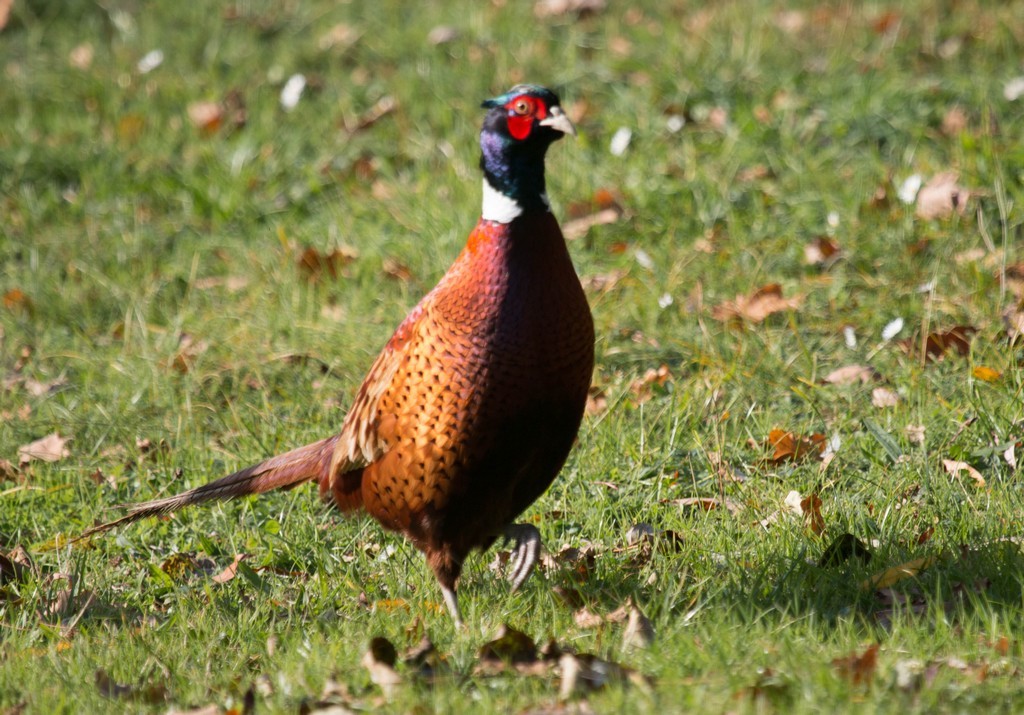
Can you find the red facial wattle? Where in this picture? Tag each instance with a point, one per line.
(522, 112)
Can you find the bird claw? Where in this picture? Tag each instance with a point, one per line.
(525, 553)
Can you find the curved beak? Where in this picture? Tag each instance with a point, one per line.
(558, 121)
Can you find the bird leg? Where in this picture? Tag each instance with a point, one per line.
(525, 553)
(452, 601)
(447, 567)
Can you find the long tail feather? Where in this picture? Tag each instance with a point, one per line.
(281, 472)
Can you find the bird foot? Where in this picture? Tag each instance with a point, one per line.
(525, 553)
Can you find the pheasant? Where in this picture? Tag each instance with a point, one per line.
(469, 412)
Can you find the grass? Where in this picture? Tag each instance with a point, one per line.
(160, 300)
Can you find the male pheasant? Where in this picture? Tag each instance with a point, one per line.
(469, 412)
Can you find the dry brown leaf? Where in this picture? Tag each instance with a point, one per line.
(937, 344)
(858, 669)
(849, 374)
(206, 116)
(393, 268)
(811, 508)
(639, 633)
(442, 35)
(232, 284)
(382, 108)
(340, 35)
(577, 228)
(50, 448)
(915, 433)
(510, 647)
(81, 56)
(188, 350)
(954, 468)
(884, 397)
(379, 660)
(793, 447)
(313, 264)
(895, 574)
(757, 306)
(955, 121)
(822, 251)
(603, 282)
(582, 673)
(941, 197)
(707, 504)
(581, 8)
(653, 380)
(597, 400)
(8, 472)
(230, 570)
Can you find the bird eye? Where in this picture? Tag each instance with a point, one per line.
(522, 107)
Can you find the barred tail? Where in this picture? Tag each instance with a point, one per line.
(281, 472)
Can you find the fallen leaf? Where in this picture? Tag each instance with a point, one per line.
(583, 673)
(393, 268)
(230, 571)
(849, 374)
(884, 397)
(653, 381)
(313, 264)
(597, 400)
(81, 56)
(50, 448)
(510, 647)
(955, 340)
(188, 350)
(379, 660)
(757, 306)
(858, 669)
(8, 472)
(442, 35)
(639, 633)
(603, 282)
(915, 433)
(890, 576)
(954, 122)
(941, 197)
(206, 116)
(551, 8)
(822, 251)
(707, 504)
(381, 108)
(340, 35)
(16, 301)
(811, 508)
(954, 468)
(986, 374)
(577, 228)
(793, 447)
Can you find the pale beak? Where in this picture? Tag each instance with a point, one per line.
(558, 121)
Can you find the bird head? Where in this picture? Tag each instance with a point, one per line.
(527, 114)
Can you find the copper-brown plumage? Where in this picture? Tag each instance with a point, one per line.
(469, 412)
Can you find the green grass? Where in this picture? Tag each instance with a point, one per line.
(121, 223)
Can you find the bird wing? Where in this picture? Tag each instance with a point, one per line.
(359, 442)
